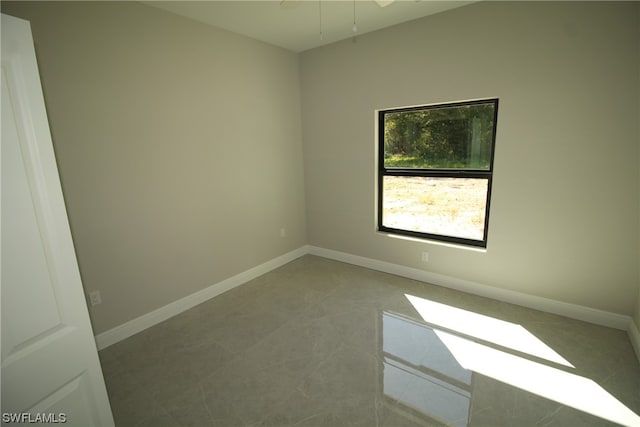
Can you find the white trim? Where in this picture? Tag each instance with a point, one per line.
(634, 336)
(161, 314)
(587, 314)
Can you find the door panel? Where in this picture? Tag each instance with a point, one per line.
(20, 225)
(49, 358)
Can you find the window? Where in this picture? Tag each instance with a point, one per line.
(435, 167)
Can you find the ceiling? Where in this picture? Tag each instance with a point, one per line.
(295, 24)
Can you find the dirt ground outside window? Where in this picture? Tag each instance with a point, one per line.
(445, 206)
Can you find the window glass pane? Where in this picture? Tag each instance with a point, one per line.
(449, 137)
(446, 206)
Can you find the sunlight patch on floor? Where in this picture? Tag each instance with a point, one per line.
(490, 329)
(543, 380)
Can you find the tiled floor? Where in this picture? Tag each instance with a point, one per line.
(322, 343)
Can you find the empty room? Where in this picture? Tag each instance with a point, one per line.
(321, 213)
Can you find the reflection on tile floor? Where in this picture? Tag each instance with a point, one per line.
(322, 343)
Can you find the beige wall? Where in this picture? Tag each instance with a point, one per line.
(179, 149)
(564, 211)
(179, 145)
(637, 313)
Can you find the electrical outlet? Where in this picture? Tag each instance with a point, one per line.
(95, 298)
(283, 232)
(425, 256)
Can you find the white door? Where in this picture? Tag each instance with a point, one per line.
(50, 367)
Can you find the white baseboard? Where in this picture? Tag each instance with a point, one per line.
(634, 336)
(573, 311)
(161, 314)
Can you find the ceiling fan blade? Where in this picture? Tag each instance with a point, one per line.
(384, 3)
(289, 4)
